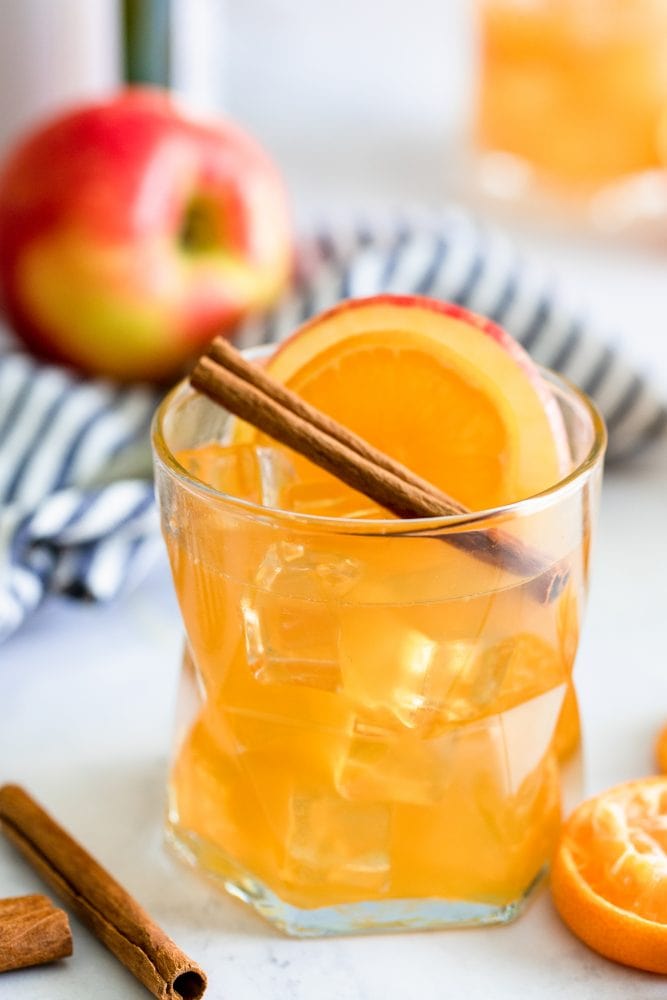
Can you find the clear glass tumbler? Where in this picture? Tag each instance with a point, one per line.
(572, 100)
(373, 723)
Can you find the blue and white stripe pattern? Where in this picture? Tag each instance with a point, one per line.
(76, 499)
(454, 258)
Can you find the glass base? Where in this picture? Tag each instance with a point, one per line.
(632, 208)
(347, 918)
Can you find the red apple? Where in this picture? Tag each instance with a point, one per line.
(130, 233)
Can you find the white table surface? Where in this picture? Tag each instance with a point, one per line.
(87, 693)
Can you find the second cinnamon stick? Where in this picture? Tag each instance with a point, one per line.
(32, 932)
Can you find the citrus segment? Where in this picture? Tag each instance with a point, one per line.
(609, 878)
(445, 392)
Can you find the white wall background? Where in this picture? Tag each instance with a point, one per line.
(354, 95)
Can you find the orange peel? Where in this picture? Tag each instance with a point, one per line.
(609, 876)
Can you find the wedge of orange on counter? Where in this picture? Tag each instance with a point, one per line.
(444, 391)
(609, 877)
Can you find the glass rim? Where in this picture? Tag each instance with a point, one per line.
(389, 526)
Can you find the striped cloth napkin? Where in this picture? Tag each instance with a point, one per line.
(76, 500)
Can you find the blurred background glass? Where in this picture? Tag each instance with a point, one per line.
(576, 88)
(572, 94)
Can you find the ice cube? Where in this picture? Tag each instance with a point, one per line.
(289, 766)
(300, 726)
(389, 665)
(290, 615)
(501, 674)
(528, 732)
(519, 667)
(521, 810)
(385, 766)
(327, 497)
(205, 795)
(276, 474)
(568, 621)
(484, 839)
(263, 475)
(336, 842)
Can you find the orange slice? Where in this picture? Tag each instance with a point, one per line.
(446, 392)
(609, 878)
(661, 750)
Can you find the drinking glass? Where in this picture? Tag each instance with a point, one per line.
(373, 724)
(572, 98)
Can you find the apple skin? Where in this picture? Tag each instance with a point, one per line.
(130, 234)
(424, 302)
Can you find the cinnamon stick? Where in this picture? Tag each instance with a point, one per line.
(247, 392)
(222, 351)
(32, 932)
(98, 900)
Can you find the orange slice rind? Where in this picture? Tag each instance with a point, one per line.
(442, 390)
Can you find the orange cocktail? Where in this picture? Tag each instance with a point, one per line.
(575, 88)
(373, 720)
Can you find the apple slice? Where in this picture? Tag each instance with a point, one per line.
(446, 392)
